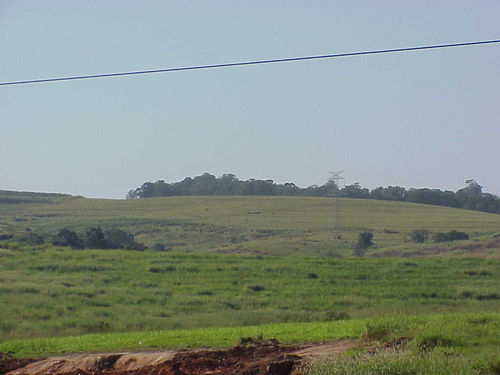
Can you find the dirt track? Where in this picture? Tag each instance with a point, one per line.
(268, 357)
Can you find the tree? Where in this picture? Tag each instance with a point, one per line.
(391, 193)
(364, 242)
(66, 237)
(118, 239)
(94, 239)
(453, 235)
(33, 238)
(419, 235)
(473, 188)
(355, 191)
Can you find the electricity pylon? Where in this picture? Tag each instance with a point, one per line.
(336, 221)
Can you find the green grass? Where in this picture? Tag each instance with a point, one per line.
(257, 266)
(446, 344)
(469, 335)
(400, 363)
(53, 292)
(182, 339)
(261, 225)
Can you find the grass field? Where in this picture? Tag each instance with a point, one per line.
(252, 266)
(261, 225)
(63, 291)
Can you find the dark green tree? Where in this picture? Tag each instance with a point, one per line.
(94, 239)
(364, 242)
(67, 237)
(419, 235)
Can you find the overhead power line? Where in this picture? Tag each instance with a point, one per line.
(244, 63)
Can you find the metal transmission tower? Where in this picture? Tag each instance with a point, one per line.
(338, 183)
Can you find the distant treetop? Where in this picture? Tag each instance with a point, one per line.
(470, 197)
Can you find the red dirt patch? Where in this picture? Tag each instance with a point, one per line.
(9, 363)
(255, 358)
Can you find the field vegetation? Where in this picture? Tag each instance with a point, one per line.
(60, 291)
(281, 226)
(426, 344)
(215, 269)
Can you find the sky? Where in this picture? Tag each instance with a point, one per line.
(413, 119)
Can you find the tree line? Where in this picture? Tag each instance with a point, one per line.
(470, 197)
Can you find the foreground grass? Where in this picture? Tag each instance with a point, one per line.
(183, 339)
(58, 292)
(403, 363)
(473, 336)
(448, 344)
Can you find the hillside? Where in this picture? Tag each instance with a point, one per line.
(260, 225)
(262, 265)
(14, 200)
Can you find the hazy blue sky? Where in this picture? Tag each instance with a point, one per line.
(415, 119)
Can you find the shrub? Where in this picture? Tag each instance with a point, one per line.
(118, 239)
(95, 326)
(205, 293)
(433, 341)
(453, 235)
(419, 235)
(256, 288)
(390, 231)
(33, 238)
(161, 270)
(364, 242)
(337, 315)
(159, 247)
(379, 331)
(94, 238)
(112, 239)
(66, 237)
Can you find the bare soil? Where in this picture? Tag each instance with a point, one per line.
(252, 358)
(9, 363)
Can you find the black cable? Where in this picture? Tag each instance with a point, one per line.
(243, 63)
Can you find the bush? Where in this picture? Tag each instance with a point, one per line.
(118, 239)
(33, 239)
(94, 238)
(433, 341)
(66, 237)
(364, 242)
(159, 247)
(256, 288)
(337, 315)
(379, 331)
(112, 239)
(453, 235)
(419, 235)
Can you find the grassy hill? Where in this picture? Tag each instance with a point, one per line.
(16, 200)
(260, 225)
(254, 266)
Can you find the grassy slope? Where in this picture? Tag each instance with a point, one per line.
(257, 225)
